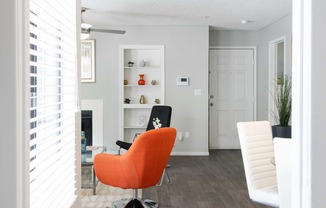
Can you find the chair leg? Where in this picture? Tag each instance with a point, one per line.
(166, 174)
(161, 180)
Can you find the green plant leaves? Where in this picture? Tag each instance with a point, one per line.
(283, 101)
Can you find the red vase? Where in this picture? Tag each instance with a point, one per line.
(141, 80)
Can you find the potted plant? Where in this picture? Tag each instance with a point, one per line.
(283, 105)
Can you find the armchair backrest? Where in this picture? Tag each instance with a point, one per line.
(160, 117)
(142, 165)
(151, 152)
(257, 150)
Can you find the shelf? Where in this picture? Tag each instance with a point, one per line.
(135, 127)
(138, 106)
(153, 70)
(142, 67)
(146, 85)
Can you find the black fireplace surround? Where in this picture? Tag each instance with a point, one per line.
(87, 126)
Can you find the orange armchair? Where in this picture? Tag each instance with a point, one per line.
(141, 166)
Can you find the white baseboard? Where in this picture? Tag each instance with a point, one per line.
(224, 147)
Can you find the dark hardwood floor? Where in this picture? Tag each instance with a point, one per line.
(215, 181)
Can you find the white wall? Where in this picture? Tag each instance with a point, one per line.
(8, 153)
(186, 54)
(261, 39)
(314, 103)
(309, 101)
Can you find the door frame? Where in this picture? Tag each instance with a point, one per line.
(273, 73)
(254, 49)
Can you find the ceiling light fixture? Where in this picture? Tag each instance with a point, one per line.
(85, 25)
(244, 21)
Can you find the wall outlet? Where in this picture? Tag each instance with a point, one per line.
(179, 135)
(187, 135)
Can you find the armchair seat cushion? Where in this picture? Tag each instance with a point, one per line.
(269, 195)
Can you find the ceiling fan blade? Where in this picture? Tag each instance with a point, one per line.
(108, 31)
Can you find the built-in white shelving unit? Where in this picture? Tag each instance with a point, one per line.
(134, 116)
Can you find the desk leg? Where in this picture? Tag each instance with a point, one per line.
(94, 182)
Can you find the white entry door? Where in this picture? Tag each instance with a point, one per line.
(231, 95)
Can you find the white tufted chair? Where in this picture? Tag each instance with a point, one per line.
(283, 161)
(257, 150)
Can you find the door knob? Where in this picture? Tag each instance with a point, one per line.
(211, 104)
(212, 96)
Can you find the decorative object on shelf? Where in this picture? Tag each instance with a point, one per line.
(130, 64)
(141, 80)
(143, 63)
(125, 82)
(127, 101)
(153, 82)
(83, 142)
(157, 101)
(141, 121)
(142, 99)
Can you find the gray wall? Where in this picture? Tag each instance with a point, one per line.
(8, 123)
(232, 38)
(278, 29)
(186, 54)
(261, 39)
(182, 44)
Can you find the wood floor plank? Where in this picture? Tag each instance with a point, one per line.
(215, 181)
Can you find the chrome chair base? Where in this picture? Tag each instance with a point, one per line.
(134, 203)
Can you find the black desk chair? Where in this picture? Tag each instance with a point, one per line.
(160, 117)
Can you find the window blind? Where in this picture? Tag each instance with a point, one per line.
(52, 103)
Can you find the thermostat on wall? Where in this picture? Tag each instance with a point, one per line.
(182, 81)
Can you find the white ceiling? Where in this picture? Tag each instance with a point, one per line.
(218, 14)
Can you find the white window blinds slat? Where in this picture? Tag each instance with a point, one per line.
(52, 100)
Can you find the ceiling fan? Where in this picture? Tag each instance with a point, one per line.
(87, 28)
